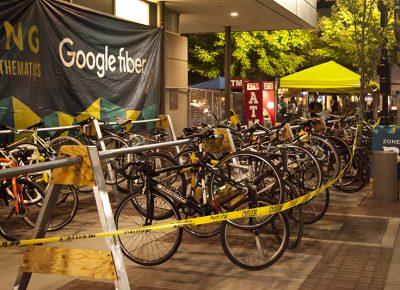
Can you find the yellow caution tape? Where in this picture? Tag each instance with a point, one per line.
(246, 213)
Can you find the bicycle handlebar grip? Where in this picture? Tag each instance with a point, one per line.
(262, 128)
(202, 135)
(251, 129)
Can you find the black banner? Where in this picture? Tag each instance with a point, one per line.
(61, 63)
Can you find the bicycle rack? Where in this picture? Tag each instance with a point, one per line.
(163, 121)
(108, 264)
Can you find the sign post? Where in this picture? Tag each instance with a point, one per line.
(269, 100)
(253, 103)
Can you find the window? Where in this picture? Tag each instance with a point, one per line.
(133, 10)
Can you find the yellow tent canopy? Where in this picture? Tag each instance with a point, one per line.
(328, 77)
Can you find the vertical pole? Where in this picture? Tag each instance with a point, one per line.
(398, 107)
(49, 203)
(107, 219)
(227, 71)
(171, 126)
(384, 74)
(110, 172)
(161, 24)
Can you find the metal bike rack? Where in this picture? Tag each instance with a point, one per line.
(99, 135)
(50, 201)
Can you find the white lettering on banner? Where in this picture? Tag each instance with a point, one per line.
(103, 62)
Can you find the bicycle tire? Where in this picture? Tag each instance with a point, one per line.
(357, 181)
(56, 143)
(66, 206)
(204, 230)
(112, 165)
(343, 150)
(299, 166)
(14, 226)
(246, 168)
(173, 179)
(159, 246)
(316, 207)
(247, 248)
(295, 215)
(326, 155)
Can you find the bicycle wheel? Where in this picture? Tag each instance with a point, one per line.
(357, 177)
(295, 214)
(56, 143)
(205, 230)
(315, 208)
(14, 226)
(112, 165)
(173, 180)
(151, 247)
(243, 170)
(298, 165)
(343, 150)
(326, 155)
(66, 207)
(255, 249)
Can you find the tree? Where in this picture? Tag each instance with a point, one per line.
(255, 55)
(354, 37)
(206, 56)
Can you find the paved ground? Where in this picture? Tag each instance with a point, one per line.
(355, 246)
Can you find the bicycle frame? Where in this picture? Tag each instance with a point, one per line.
(16, 193)
(175, 194)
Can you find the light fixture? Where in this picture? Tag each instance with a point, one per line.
(270, 105)
(234, 14)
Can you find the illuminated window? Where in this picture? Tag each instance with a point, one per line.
(133, 10)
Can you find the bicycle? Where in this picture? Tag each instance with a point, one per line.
(48, 148)
(162, 199)
(21, 199)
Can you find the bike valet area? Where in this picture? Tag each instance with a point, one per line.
(350, 245)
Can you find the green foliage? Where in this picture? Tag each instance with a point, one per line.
(255, 55)
(206, 55)
(270, 54)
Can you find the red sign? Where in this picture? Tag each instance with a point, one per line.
(269, 100)
(253, 103)
(237, 83)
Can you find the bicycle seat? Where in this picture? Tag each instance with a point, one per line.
(86, 121)
(190, 131)
(36, 125)
(123, 122)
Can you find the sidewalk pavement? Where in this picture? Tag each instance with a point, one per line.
(355, 246)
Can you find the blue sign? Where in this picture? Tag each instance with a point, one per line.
(387, 138)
